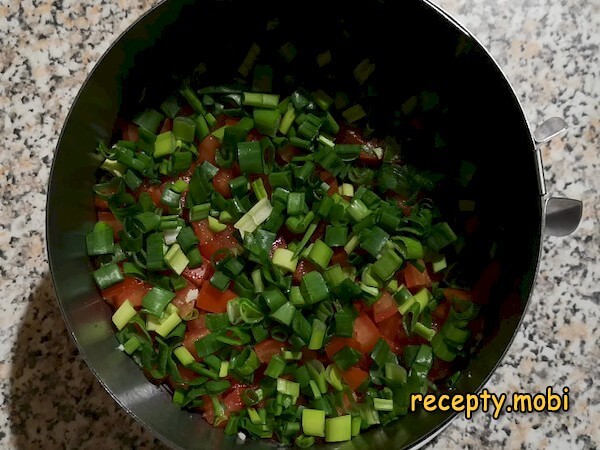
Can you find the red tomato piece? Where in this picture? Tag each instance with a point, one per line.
(254, 136)
(200, 274)
(196, 329)
(209, 411)
(167, 125)
(340, 257)
(389, 329)
(413, 278)
(279, 243)
(213, 300)
(233, 401)
(181, 300)
(384, 307)
(366, 333)
(211, 242)
(130, 132)
(130, 289)
(354, 377)
(207, 149)
(302, 269)
(221, 182)
(338, 343)
(267, 348)
(100, 204)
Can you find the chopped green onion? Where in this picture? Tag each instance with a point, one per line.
(270, 101)
(346, 358)
(250, 157)
(156, 300)
(441, 236)
(176, 259)
(220, 281)
(314, 288)
(184, 128)
(123, 315)
(100, 241)
(108, 275)
(354, 113)
(165, 144)
(338, 429)
(313, 422)
(275, 367)
(284, 314)
(285, 259)
(184, 356)
(267, 121)
(320, 254)
(383, 404)
(168, 325)
(317, 335)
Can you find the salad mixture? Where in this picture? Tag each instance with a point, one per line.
(280, 272)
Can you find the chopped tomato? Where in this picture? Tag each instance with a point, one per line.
(130, 289)
(207, 149)
(213, 300)
(330, 180)
(349, 135)
(458, 294)
(413, 278)
(354, 377)
(186, 374)
(155, 191)
(384, 307)
(369, 157)
(267, 348)
(200, 274)
(338, 343)
(110, 219)
(233, 401)
(439, 369)
(100, 204)
(278, 243)
(130, 132)
(340, 257)
(302, 269)
(286, 154)
(209, 411)
(196, 329)
(221, 182)
(390, 329)
(366, 333)
(211, 242)
(181, 299)
(167, 125)
(254, 136)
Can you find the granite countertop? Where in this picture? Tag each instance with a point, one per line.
(550, 51)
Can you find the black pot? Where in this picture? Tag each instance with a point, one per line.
(416, 48)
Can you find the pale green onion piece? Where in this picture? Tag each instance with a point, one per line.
(338, 429)
(250, 221)
(215, 226)
(176, 259)
(285, 259)
(123, 315)
(313, 422)
(352, 244)
(168, 325)
(184, 356)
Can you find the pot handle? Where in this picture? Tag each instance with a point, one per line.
(562, 215)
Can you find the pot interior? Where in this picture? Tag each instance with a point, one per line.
(468, 112)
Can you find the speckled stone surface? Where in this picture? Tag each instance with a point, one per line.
(550, 51)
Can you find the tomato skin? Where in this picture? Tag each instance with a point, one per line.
(200, 274)
(338, 343)
(330, 180)
(254, 136)
(110, 219)
(130, 289)
(213, 300)
(278, 243)
(130, 132)
(207, 149)
(267, 348)
(221, 182)
(384, 308)
(340, 257)
(167, 125)
(100, 204)
(233, 401)
(354, 377)
(415, 279)
(366, 333)
(180, 300)
(211, 242)
(196, 329)
(302, 269)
